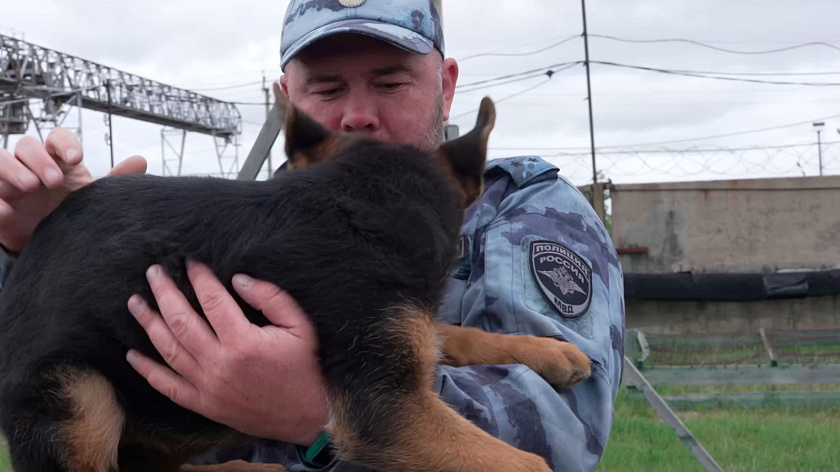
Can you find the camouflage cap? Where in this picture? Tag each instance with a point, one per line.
(413, 25)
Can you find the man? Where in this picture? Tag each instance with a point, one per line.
(535, 259)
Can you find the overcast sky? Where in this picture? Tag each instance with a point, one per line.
(213, 44)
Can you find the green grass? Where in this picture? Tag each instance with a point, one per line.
(739, 440)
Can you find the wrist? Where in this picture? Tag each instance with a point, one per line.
(312, 429)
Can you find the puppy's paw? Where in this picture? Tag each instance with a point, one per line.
(560, 363)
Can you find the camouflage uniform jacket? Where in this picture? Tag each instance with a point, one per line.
(505, 284)
(496, 287)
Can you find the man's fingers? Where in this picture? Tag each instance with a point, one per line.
(9, 191)
(30, 152)
(6, 210)
(64, 146)
(186, 325)
(165, 381)
(219, 306)
(277, 305)
(16, 174)
(162, 338)
(132, 165)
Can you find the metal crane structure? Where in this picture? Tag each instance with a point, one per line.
(40, 86)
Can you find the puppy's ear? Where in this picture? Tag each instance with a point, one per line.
(307, 142)
(464, 158)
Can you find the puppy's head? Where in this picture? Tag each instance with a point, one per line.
(307, 142)
(462, 160)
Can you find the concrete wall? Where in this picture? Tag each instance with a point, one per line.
(760, 225)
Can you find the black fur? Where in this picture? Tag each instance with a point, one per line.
(348, 240)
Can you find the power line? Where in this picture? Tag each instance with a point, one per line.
(532, 73)
(506, 82)
(760, 74)
(726, 135)
(716, 48)
(500, 100)
(519, 54)
(709, 75)
(213, 79)
(228, 87)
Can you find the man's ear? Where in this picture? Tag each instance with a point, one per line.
(307, 142)
(464, 158)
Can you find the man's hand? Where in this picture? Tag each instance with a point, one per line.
(37, 177)
(265, 382)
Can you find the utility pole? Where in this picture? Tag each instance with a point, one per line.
(819, 127)
(589, 94)
(110, 126)
(267, 109)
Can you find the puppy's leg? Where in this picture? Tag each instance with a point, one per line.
(91, 435)
(235, 466)
(409, 428)
(560, 363)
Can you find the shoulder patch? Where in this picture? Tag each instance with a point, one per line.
(564, 278)
(524, 170)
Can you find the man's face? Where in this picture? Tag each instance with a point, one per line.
(360, 85)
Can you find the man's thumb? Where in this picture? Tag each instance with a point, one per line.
(132, 165)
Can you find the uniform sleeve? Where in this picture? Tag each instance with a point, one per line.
(498, 289)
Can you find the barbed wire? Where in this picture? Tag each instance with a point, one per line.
(706, 162)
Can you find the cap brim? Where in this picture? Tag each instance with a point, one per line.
(392, 34)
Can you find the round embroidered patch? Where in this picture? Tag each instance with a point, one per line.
(564, 278)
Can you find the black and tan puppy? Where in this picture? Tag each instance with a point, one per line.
(361, 234)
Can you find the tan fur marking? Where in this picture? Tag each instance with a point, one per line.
(421, 330)
(92, 435)
(329, 149)
(560, 363)
(487, 115)
(298, 161)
